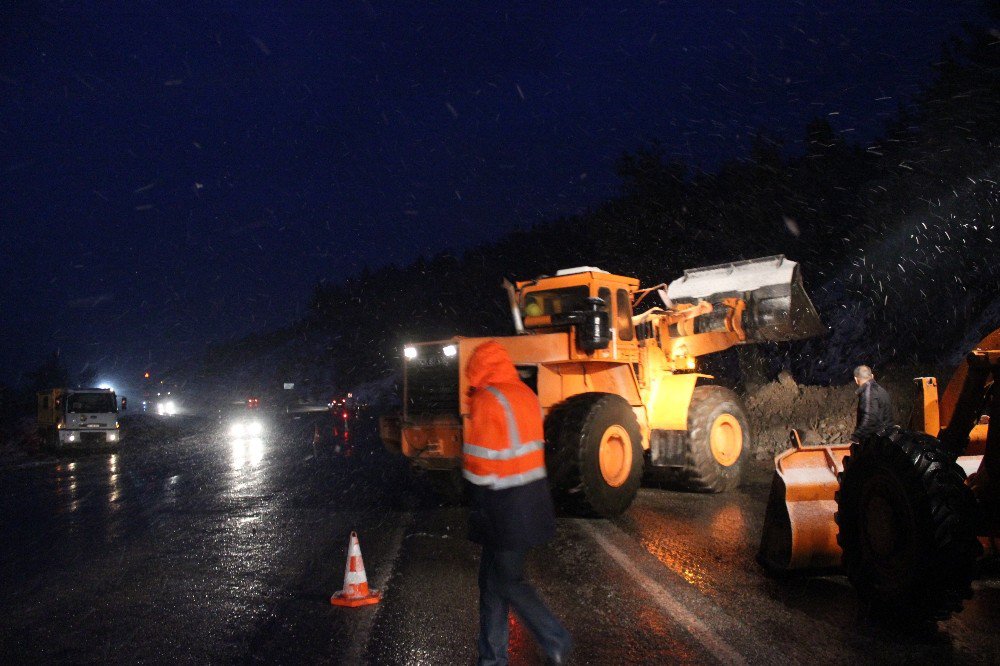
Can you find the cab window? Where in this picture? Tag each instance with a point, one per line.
(555, 301)
(623, 315)
(605, 295)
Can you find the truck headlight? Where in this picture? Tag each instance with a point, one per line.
(255, 428)
(237, 429)
(450, 351)
(410, 352)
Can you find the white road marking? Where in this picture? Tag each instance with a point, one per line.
(359, 642)
(714, 643)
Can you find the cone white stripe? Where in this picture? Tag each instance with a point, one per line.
(356, 576)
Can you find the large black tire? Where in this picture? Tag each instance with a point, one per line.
(705, 471)
(574, 431)
(907, 527)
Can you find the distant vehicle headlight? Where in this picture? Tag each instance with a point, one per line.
(112, 437)
(410, 352)
(450, 350)
(255, 428)
(166, 408)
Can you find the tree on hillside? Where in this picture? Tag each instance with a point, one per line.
(893, 237)
(52, 373)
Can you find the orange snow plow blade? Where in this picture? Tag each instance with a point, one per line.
(799, 528)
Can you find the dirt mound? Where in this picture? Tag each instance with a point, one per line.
(827, 411)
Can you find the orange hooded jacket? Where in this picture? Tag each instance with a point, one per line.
(504, 438)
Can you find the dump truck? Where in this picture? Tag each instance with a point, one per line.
(906, 513)
(620, 389)
(78, 418)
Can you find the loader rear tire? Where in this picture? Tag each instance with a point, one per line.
(594, 454)
(718, 438)
(907, 528)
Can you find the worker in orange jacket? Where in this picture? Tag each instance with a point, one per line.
(503, 459)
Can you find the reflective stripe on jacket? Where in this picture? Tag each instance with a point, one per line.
(504, 446)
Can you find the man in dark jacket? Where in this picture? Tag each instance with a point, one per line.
(874, 405)
(503, 458)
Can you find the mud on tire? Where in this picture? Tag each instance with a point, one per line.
(907, 527)
(574, 430)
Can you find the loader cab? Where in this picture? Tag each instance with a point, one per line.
(597, 304)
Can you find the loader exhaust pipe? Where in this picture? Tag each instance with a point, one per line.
(515, 309)
(777, 306)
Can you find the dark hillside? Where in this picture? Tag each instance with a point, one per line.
(898, 242)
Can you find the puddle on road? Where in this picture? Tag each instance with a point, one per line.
(698, 545)
(247, 452)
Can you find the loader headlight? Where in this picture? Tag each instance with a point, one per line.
(410, 352)
(450, 351)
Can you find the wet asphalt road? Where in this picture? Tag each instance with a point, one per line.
(188, 546)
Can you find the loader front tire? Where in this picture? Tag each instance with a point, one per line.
(594, 454)
(718, 437)
(907, 527)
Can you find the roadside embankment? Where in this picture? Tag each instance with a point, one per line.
(827, 412)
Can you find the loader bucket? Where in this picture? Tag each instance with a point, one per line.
(799, 528)
(778, 308)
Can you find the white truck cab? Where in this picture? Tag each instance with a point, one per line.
(80, 417)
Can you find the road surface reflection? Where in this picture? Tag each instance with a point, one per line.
(246, 452)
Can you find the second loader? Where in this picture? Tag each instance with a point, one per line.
(906, 512)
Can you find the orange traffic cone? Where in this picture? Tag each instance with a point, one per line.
(355, 592)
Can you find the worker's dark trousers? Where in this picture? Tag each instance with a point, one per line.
(502, 586)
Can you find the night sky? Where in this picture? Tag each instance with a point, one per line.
(172, 176)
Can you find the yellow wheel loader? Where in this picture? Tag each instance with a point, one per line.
(905, 513)
(620, 391)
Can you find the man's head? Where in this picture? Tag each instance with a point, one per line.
(532, 308)
(490, 364)
(862, 375)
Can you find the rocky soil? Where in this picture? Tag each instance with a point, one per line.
(827, 413)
